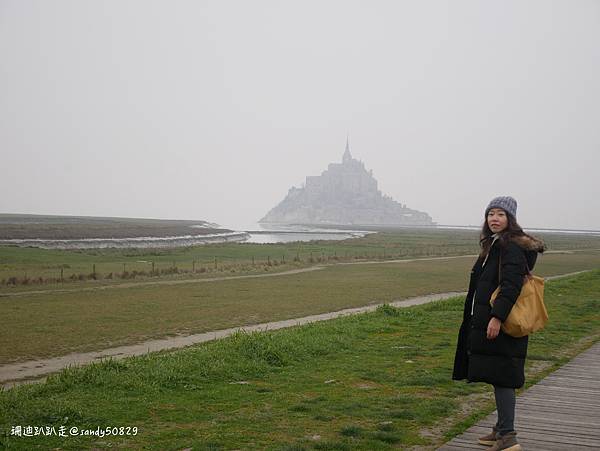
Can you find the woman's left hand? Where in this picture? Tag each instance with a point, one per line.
(493, 328)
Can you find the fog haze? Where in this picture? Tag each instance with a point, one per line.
(213, 110)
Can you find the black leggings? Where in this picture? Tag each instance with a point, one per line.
(505, 404)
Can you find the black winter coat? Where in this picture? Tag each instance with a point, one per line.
(500, 361)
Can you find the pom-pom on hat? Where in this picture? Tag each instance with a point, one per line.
(506, 203)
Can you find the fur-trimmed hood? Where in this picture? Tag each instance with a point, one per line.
(529, 243)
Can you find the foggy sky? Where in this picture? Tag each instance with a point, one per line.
(214, 109)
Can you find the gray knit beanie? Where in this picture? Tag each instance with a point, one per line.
(507, 203)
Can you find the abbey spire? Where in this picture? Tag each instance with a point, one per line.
(347, 156)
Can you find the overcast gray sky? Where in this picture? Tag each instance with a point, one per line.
(213, 109)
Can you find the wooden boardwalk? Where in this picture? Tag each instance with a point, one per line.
(562, 412)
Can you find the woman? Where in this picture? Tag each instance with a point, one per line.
(484, 353)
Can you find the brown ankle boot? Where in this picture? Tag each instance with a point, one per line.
(507, 442)
(489, 439)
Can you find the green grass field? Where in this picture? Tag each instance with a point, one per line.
(56, 323)
(371, 381)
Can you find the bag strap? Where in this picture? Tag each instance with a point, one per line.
(527, 275)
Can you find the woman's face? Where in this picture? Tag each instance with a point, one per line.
(497, 220)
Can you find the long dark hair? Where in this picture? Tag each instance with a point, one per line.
(512, 230)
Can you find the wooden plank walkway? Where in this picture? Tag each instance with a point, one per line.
(561, 412)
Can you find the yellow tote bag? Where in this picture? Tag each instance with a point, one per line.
(529, 313)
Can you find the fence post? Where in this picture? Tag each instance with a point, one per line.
(94, 270)
(61, 275)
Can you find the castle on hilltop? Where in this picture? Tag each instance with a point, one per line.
(345, 193)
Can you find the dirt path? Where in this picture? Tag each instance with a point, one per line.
(11, 374)
(219, 279)
(34, 370)
(247, 276)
